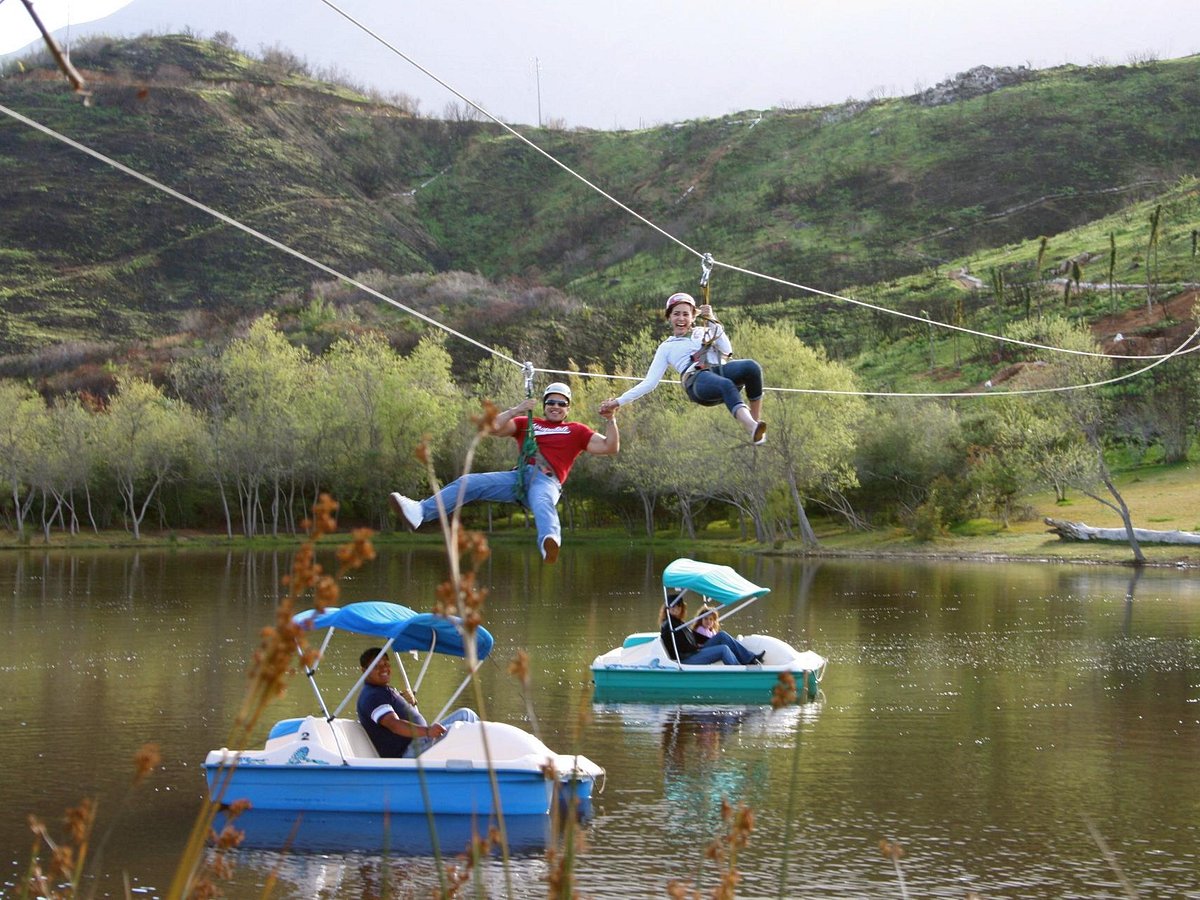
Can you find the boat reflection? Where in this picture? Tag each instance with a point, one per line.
(391, 834)
(713, 753)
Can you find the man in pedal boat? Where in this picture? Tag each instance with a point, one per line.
(392, 723)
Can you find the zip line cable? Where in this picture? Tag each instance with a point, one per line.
(706, 256)
(229, 220)
(424, 71)
(707, 259)
(959, 328)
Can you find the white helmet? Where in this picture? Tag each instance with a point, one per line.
(556, 387)
(675, 299)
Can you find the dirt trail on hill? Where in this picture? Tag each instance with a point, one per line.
(1149, 331)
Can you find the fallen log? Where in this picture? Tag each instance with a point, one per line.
(1077, 531)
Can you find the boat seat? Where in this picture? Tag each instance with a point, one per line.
(354, 739)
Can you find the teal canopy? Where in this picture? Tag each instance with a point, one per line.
(409, 629)
(719, 583)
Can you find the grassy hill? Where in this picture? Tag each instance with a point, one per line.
(883, 200)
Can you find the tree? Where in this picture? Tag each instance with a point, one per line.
(267, 383)
(904, 447)
(811, 438)
(146, 440)
(66, 464)
(20, 427)
(1079, 408)
(376, 407)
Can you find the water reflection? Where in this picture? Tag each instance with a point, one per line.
(706, 753)
(975, 713)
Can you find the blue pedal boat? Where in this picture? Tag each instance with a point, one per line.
(642, 670)
(323, 763)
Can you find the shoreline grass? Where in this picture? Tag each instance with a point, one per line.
(1159, 496)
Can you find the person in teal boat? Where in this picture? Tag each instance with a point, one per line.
(681, 644)
(707, 625)
(392, 723)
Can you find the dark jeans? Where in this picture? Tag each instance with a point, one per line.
(721, 648)
(710, 388)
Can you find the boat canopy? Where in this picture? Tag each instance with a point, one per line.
(718, 583)
(409, 629)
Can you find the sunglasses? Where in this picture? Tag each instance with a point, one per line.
(556, 403)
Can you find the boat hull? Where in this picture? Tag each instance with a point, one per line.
(689, 685)
(371, 789)
(315, 765)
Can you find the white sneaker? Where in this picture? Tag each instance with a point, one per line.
(408, 511)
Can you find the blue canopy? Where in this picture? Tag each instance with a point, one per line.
(410, 630)
(719, 583)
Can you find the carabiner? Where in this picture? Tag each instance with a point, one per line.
(527, 371)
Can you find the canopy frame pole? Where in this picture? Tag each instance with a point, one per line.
(725, 615)
(454, 696)
(424, 666)
(667, 609)
(311, 672)
(404, 673)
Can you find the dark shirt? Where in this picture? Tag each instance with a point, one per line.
(684, 639)
(373, 704)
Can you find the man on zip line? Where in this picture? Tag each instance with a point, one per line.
(540, 473)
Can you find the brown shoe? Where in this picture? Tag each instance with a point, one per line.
(549, 550)
(760, 434)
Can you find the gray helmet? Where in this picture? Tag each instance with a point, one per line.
(557, 387)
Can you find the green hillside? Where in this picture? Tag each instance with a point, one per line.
(882, 200)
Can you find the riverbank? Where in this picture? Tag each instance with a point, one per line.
(1159, 497)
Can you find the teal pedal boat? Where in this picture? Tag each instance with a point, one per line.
(642, 669)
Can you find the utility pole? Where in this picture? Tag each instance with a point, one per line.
(537, 70)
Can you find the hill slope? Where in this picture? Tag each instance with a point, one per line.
(866, 194)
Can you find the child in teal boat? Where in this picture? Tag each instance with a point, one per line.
(707, 625)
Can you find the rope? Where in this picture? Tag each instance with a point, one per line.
(707, 258)
(1156, 360)
(707, 262)
(228, 220)
(926, 321)
(416, 65)
(529, 445)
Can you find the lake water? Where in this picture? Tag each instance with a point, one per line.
(1021, 730)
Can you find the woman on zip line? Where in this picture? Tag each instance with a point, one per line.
(701, 356)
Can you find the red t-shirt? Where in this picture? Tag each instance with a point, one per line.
(560, 443)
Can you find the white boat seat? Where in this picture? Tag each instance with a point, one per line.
(354, 739)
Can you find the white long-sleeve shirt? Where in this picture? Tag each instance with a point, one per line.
(676, 352)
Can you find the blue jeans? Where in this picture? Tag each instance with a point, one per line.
(420, 745)
(711, 388)
(541, 497)
(721, 648)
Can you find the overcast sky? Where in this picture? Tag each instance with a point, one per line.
(634, 63)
